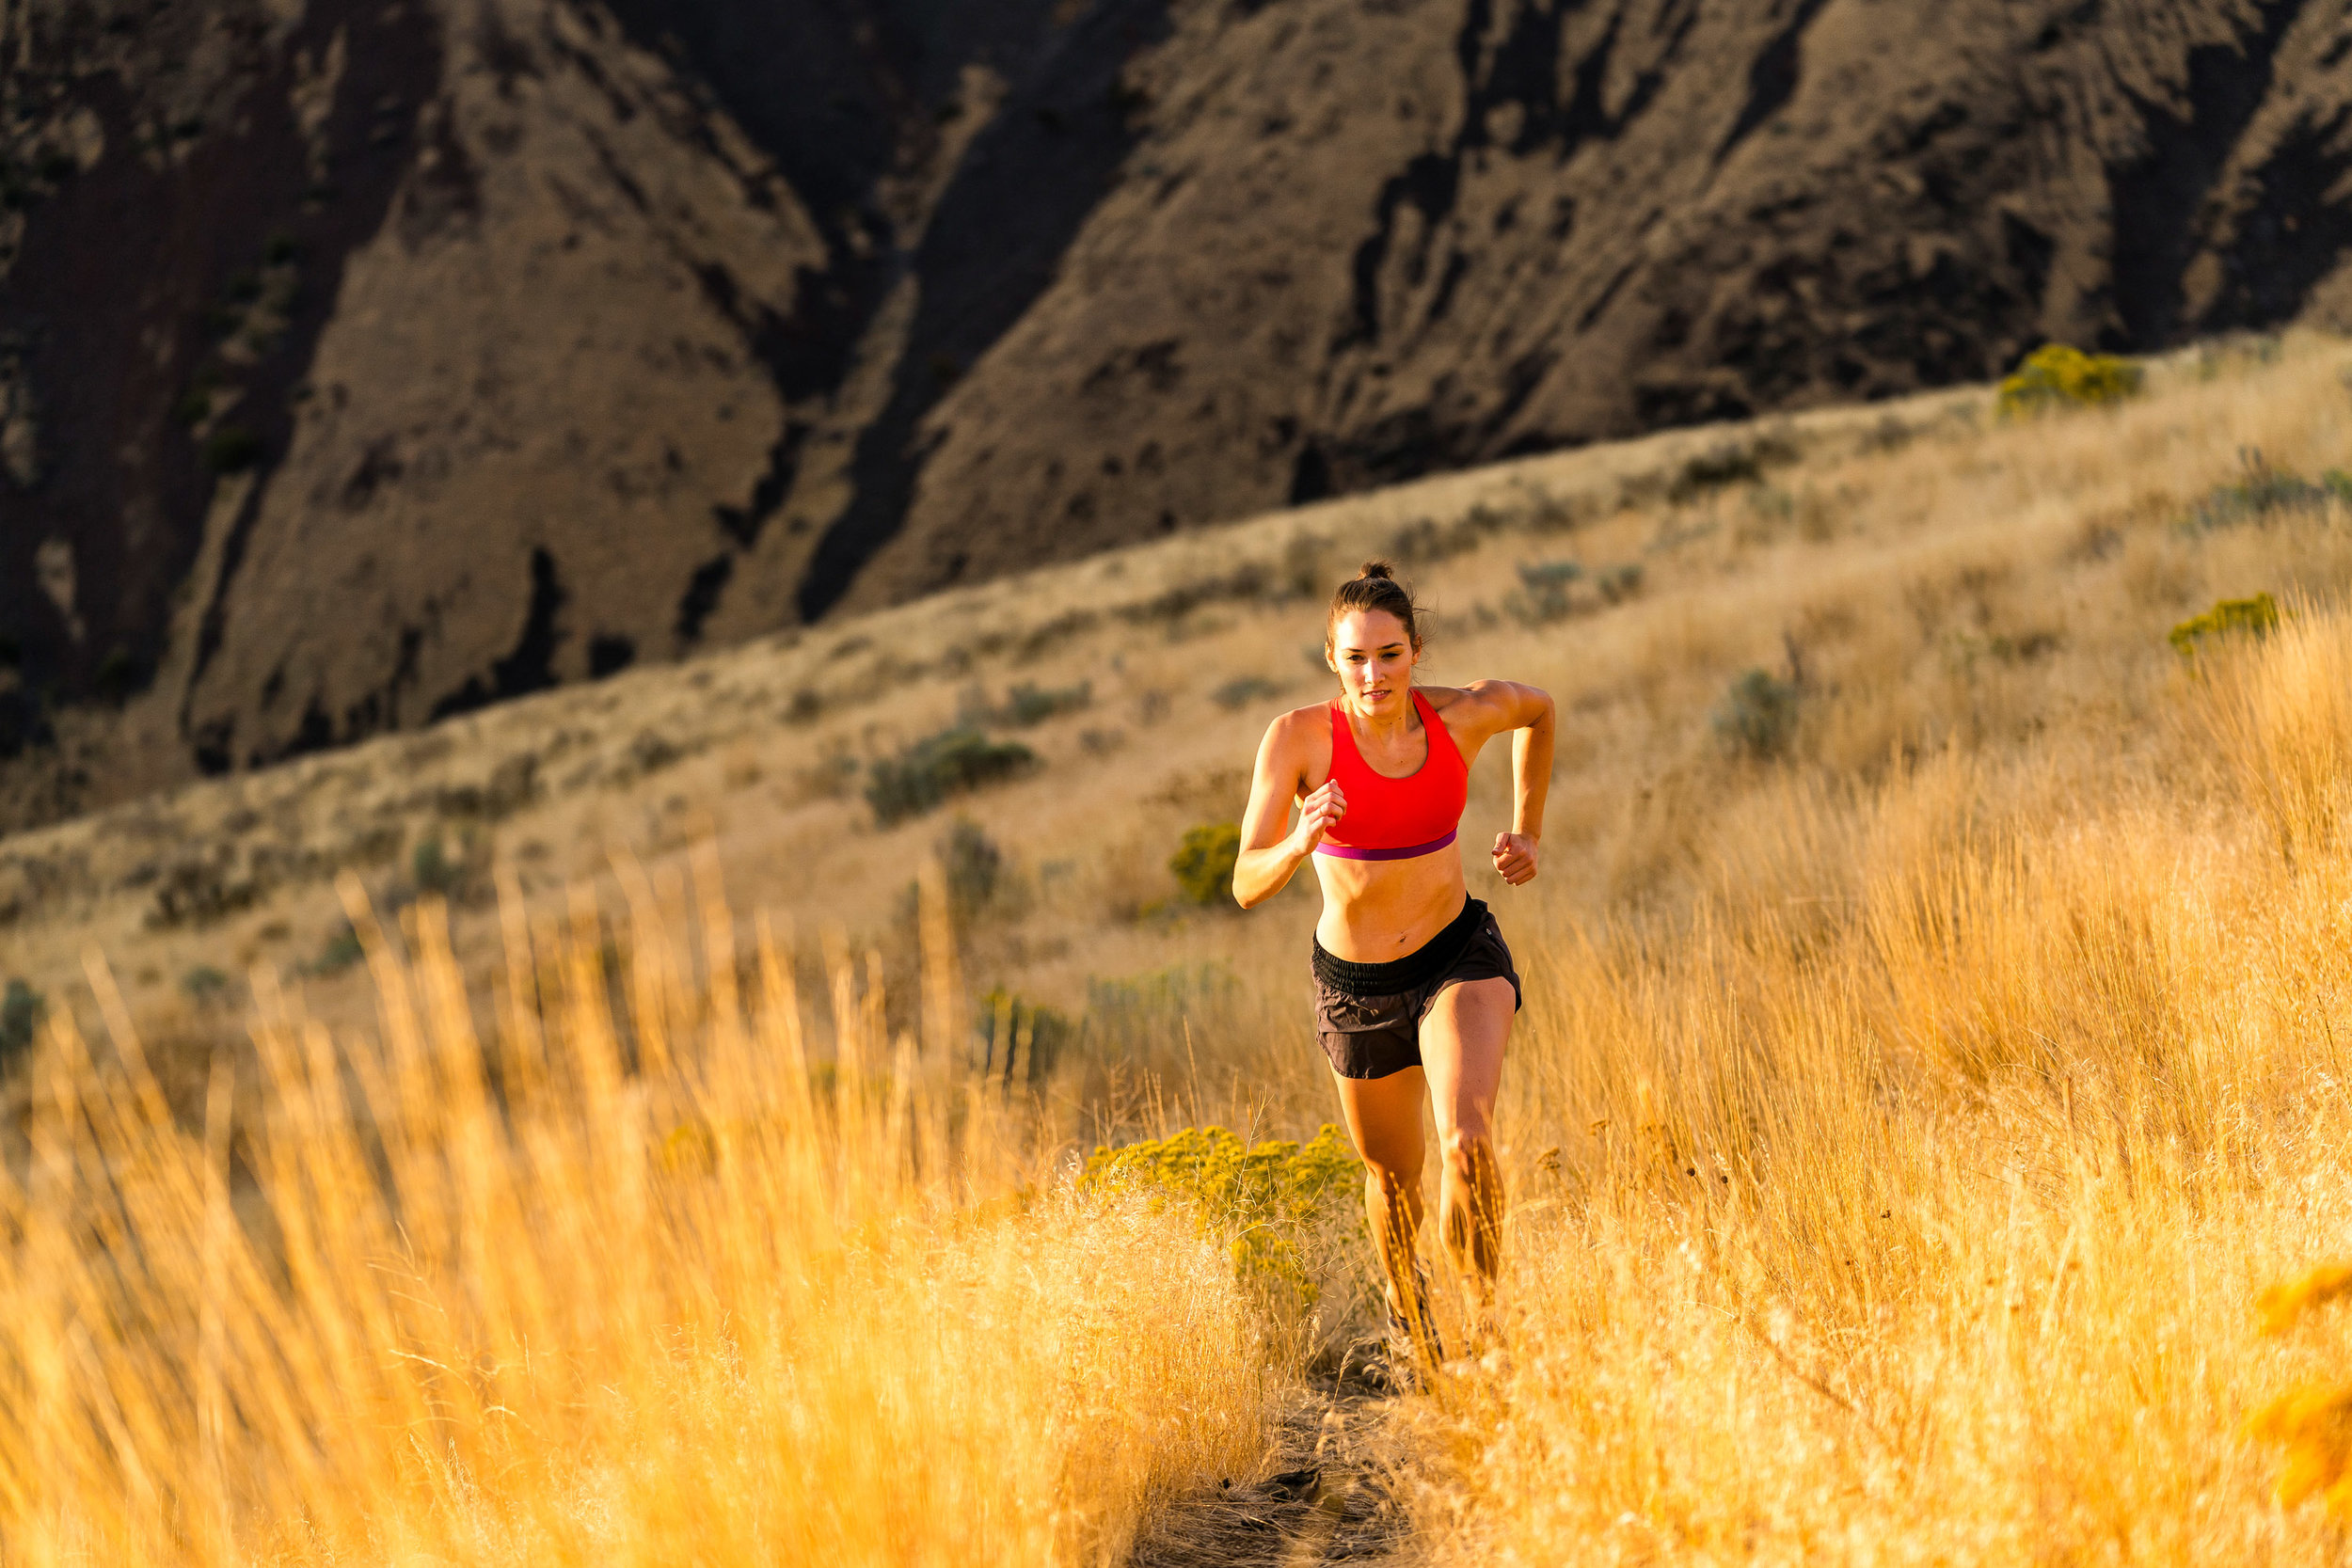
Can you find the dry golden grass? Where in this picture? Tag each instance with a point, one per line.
(526, 1301)
(1901, 1131)
(1917, 1207)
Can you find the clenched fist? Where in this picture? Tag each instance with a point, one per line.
(1316, 814)
(1515, 858)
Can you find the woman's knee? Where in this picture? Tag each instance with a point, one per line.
(1467, 1149)
(1393, 1170)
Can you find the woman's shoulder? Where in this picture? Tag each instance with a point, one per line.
(1301, 721)
(1296, 742)
(1476, 692)
(1470, 706)
(1444, 697)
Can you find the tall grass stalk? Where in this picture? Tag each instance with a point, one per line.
(592, 1288)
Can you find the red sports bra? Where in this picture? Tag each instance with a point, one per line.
(1396, 819)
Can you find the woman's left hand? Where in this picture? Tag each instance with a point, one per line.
(1515, 858)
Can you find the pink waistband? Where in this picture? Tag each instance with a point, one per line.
(1357, 852)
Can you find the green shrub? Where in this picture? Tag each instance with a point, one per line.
(204, 984)
(1018, 1038)
(2263, 492)
(2057, 376)
(1620, 582)
(199, 888)
(977, 878)
(194, 406)
(1241, 691)
(1425, 539)
(339, 953)
(1542, 596)
(2228, 617)
(1758, 715)
(20, 1011)
(430, 864)
(1204, 863)
(933, 768)
(651, 752)
(1727, 464)
(1271, 1199)
(1029, 703)
(1550, 514)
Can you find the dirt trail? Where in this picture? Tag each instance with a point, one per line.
(1330, 1500)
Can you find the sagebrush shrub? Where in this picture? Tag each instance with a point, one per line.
(2265, 491)
(20, 1010)
(430, 864)
(937, 767)
(1030, 704)
(1016, 1038)
(1729, 463)
(1620, 582)
(1243, 690)
(2058, 377)
(1542, 592)
(204, 984)
(339, 951)
(1203, 863)
(973, 868)
(1758, 716)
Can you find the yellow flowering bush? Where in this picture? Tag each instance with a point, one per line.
(2057, 376)
(2253, 616)
(1279, 1201)
(2312, 1423)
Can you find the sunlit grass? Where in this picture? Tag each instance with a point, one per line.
(1934, 1226)
(594, 1290)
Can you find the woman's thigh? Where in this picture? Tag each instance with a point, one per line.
(1462, 1037)
(1383, 1118)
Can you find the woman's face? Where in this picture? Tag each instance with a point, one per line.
(1374, 660)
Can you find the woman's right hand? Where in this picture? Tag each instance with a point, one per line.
(1316, 814)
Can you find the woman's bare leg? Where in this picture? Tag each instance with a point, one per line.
(1462, 1037)
(1383, 1118)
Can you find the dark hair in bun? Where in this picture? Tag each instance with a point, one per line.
(1376, 588)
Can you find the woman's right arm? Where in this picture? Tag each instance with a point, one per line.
(1269, 855)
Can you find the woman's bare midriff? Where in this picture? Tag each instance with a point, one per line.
(1377, 911)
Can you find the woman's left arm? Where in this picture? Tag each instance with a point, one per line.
(1527, 712)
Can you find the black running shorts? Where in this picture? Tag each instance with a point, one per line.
(1368, 1016)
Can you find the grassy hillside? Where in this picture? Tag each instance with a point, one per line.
(1934, 990)
(1930, 578)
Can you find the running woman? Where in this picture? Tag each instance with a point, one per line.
(1415, 990)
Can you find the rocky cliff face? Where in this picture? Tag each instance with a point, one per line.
(363, 362)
